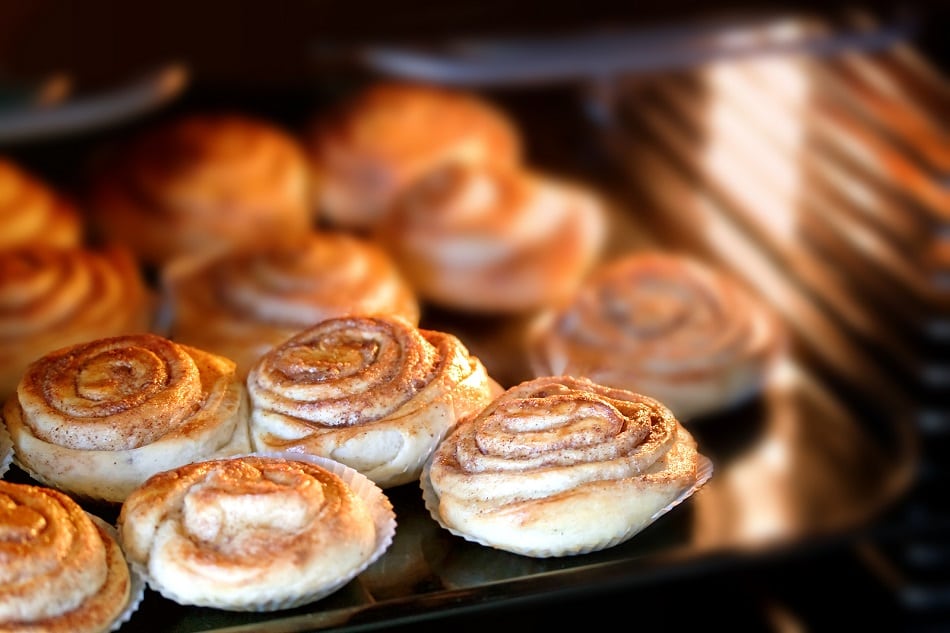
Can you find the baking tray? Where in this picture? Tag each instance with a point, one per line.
(795, 468)
(803, 465)
(820, 457)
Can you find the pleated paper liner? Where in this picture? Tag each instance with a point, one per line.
(136, 580)
(431, 498)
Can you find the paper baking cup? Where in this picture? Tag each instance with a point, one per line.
(136, 580)
(384, 518)
(6, 450)
(431, 499)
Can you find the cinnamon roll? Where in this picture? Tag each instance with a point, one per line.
(372, 392)
(52, 297)
(557, 466)
(243, 304)
(487, 239)
(389, 134)
(96, 419)
(62, 570)
(32, 212)
(202, 183)
(665, 325)
(254, 532)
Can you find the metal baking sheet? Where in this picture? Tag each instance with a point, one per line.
(794, 468)
(803, 465)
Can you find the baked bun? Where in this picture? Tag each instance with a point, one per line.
(62, 571)
(490, 239)
(244, 303)
(51, 297)
(96, 419)
(558, 466)
(32, 212)
(665, 325)
(202, 183)
(372, 392)
(389, 134)
(254, 533)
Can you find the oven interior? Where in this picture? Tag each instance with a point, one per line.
(806, 149)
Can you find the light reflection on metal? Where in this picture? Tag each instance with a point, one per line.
(752, 104)
(752, 501)
(589, 55)
(62, 112)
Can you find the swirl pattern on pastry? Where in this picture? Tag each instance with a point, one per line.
(98, 418)
(374, 393)
(487, 239)
(31, 212)
(665, 325)
(560, 465)
(248, 533)
(203, 182)
(390, 134)
(59, 571)
(243, 304)
(52, 297)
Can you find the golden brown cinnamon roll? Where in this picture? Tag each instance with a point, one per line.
(96, 419)
(390, 134)
(32, 212)
(254, 533)
(244, 303)
(202, 183)
(52, 297)
(487, 239)
(62, 571)
(374, 393)
(558, 466)
(665, 325)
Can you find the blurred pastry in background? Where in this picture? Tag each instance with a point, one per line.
(372, 392)
(374, 144)
(200, 184)
(98, 418)
(31, 211)
(665, 325)
(490, 239)
(51, 297)
(243, 303)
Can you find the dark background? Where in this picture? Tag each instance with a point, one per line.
(273, 43)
